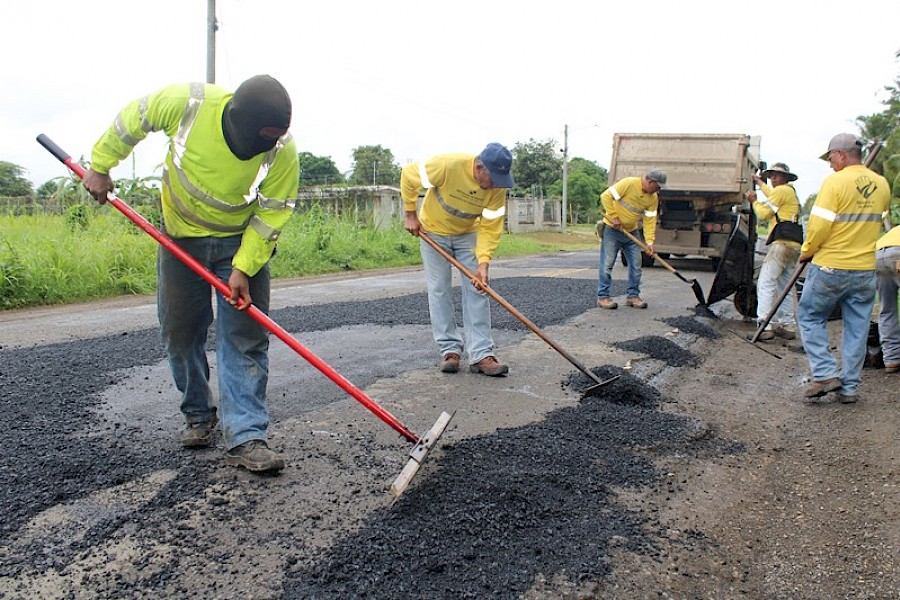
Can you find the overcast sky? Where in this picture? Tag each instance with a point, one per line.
(423, 78)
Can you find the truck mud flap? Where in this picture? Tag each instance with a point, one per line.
(734, 274)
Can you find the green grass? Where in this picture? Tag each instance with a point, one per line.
(97, 253)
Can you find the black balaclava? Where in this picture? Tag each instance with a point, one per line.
(258, 102)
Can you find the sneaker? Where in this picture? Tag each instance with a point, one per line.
(450, 363)
(200, 435)
(891, 367)
(820, 388)
(766, 335)
(255, 456)
(490, 367)
(848, 399)
(607, 303)
(635, 302)
(784, 333)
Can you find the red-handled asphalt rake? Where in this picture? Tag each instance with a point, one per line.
(422, 445)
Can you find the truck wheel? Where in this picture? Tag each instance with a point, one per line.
(647, 261)
(715, 264)
(664, 255)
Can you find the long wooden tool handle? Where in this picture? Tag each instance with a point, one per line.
(512, 310)
(656, 257)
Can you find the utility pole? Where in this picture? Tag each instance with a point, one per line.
(211, 28)
(565, 198)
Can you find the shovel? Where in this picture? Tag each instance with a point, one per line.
(422, 445)
(695, 285)
(500, 300)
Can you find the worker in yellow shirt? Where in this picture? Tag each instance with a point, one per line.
(844, 224)
(463, 213)
(631, 201)
(887, 273)
(781, 207)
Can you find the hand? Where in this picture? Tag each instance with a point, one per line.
(758, 180)
(751, 196)
(804, 258)
(481, 279)
(616, 223)
(98, 185)
(240, 289)
(650, 251)
(412, 224)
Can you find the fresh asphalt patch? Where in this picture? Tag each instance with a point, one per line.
(497, 513)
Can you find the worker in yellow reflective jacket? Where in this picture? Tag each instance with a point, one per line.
(463, 212)
(231, 175)
(844, 224)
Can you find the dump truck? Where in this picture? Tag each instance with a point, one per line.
(703, 211)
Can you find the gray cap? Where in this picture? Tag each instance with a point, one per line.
(842, 142)
(657, 177)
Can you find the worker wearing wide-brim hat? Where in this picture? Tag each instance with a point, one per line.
(780, 206)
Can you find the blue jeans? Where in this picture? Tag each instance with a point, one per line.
(185, 312)
(611, 243)
(888, 283)
(476, 306)
(776, 272)
(823, 290)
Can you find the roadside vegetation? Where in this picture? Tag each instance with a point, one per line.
(95, 252)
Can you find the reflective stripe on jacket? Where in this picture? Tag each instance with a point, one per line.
(207, 191)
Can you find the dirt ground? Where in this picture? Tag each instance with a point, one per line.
(699, 473)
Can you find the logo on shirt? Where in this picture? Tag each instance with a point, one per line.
(865, 186)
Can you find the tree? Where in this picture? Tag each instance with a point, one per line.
(374, 165)
(318, 170)
(536, 166)
(885, 126)
(587, 180)
(13, 182)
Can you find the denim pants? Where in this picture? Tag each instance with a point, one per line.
(242, 361)
(823, 290)
(476, 307)
(777, 269)
(888, 283)
(612, 242)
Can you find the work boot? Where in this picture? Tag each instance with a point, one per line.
(490, 367)
(766, 335)
(848, 399)
(450, 363)
(635, 302)
(200, 435)
(785, 333)
(255, 456)
(891, 368)
(607, 302)
(820, 388)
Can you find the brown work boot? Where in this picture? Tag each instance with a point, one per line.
(785, 333)
(450, 363)
(607, 302)
(635, 302)
(200, 435)
(820, 388)
(891, 368)
(255, 456)
(766, 335)
(490, 367)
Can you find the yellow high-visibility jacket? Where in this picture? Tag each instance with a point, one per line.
(845, 221)
(627, 201)
(454, 203)
(208, 191)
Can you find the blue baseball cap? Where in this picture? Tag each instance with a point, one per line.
(498, 161)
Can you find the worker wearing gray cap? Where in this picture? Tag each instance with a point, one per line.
(631, 201)
(844, 224)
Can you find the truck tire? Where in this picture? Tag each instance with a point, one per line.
(647, 261)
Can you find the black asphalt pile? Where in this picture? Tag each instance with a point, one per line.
(662, 349)
(505, 510)
(692, 326)
(627, 389)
